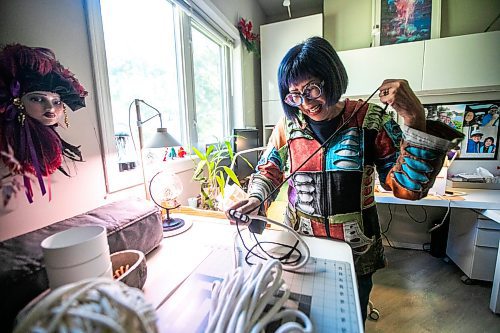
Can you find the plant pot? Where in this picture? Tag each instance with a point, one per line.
(209, 194)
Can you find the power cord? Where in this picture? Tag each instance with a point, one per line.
(444, 217)
(239, 301)
(257, 224)
(383, 233)
(414, 219)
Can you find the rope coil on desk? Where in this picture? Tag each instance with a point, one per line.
(239, 301)
(91, 305)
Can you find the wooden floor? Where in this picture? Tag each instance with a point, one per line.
(420, 293)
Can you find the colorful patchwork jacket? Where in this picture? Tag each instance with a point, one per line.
(332, 194)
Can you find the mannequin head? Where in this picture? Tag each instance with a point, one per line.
(46, 107)
(35, 90)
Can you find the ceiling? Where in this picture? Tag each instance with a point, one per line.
(275, 11)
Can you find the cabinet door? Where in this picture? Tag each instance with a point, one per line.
(275, 40)
(367, 68)
(461, 239)
(462, 61)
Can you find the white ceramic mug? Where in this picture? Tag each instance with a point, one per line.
(75, 254)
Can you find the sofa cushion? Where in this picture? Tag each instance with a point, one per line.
(131, 224)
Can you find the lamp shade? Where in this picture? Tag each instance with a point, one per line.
(162, 139)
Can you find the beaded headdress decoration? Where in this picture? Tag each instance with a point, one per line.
(38, 148)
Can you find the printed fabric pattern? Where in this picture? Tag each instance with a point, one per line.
(331, 193)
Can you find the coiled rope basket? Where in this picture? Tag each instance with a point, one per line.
(91, 305)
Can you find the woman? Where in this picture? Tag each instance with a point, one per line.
(332, 194)
(488, 145)
(469, 119)
(34, 92)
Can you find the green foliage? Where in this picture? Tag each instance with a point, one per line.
(211, 174)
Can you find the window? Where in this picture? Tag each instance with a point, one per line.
(167, 56)
(209, 58)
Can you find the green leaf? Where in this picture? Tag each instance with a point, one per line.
(199, 170)
(199, 154)
(232, 175)
(209, 150)
(229, 149)
(211, 169)
(220, 182)
(248, 162)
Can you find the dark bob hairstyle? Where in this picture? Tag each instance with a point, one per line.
(314, 57)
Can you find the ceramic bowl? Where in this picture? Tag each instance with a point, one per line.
(136, 274)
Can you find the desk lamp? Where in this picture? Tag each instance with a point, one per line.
(164, 186)
(161, 139)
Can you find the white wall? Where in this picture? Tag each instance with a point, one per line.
(58, 25)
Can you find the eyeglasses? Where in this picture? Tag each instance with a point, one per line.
(311, 92)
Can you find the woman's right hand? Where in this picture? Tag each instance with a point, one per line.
(248, 206)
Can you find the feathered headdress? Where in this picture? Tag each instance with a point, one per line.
(38, 148)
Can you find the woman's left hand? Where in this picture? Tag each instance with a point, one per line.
(398, 94)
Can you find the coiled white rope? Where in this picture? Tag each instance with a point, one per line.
(238, 302)
(91, 305)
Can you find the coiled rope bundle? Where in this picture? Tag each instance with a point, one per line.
(91, 305)
(239, 301)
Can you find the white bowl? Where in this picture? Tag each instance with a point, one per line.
(74, 246)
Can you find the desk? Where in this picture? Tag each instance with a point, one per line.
(177, 257)
(474, 199)
(474, 232)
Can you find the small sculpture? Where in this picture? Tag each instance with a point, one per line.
(172, 154)
(181, 153)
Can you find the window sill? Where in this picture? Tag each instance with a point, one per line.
(176, 165)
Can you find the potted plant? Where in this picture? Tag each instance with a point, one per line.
(211, 171)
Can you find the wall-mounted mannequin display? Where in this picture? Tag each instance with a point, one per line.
(35, 94)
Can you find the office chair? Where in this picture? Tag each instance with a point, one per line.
(373, 313)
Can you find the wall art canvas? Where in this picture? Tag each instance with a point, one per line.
(403, 21)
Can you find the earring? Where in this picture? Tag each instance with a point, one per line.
(66, 120)
(21, 117)
(19, 105)
(17, 102)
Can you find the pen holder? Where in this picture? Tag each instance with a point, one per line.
(439, 186)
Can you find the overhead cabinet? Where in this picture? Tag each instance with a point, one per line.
(367, 68)
(462, 61)
(452, 64)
